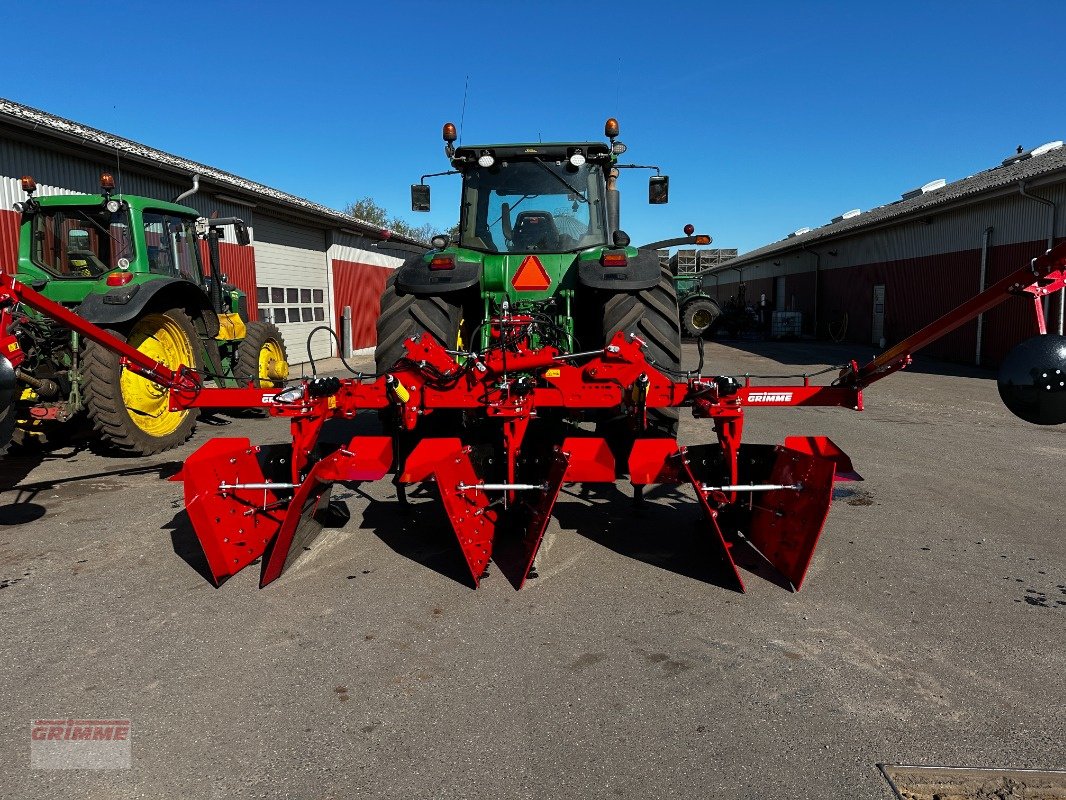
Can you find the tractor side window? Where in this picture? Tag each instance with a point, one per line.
(172, 246)
(73, 242)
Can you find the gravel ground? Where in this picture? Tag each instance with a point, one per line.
(929, 631)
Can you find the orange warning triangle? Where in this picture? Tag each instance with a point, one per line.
(531, 276)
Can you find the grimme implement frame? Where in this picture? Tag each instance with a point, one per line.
(248, 502)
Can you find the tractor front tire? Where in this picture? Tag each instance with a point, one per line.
(262, 359)
(698, 315)
(650, 314)
(132, 413)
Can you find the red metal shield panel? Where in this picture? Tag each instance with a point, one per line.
(514, 550)
(786, 524)
(232, 526)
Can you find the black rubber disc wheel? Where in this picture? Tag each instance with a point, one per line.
(697, 316)
(261, 357)
(650, 314)
(7, 428)
(132, 413)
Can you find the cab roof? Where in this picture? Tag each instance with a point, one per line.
(548, 149)
(135, 201)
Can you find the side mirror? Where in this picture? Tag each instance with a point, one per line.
(659, 189)
(241, 229)
(420, 197)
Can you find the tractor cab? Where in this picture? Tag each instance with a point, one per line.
(117, 238)
(533, 198)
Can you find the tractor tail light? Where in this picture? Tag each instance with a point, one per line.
(614, 259)
(442, 262)
(119, 278)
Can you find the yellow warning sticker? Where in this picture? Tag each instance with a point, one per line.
(11, 348)
(552, 373)
(331, 402)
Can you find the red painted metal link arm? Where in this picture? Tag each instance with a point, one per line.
(1044, 276)
(181, 380)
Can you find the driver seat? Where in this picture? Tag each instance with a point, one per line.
(534, 230)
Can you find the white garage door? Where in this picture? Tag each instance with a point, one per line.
(290, 268)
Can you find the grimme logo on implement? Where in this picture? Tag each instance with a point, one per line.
(770, 397)
(80, 744)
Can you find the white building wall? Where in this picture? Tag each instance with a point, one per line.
(291, 272)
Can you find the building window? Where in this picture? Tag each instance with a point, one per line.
(285, 305)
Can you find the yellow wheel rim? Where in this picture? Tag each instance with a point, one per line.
(273, 368)
(161, 338)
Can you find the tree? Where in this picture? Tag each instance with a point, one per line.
(368, 210)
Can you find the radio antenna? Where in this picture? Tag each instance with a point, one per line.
(462, 115)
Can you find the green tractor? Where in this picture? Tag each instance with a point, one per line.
(538, 238)
(133, 266)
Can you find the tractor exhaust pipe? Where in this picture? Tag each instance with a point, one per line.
(195, 188)
(613, 203)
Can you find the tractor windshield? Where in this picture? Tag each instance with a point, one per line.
(532, 206)
(81, 242)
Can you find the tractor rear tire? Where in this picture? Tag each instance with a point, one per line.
(261, 357)
(698, 315)
(650, 314)
(406, 316)
(132, 413)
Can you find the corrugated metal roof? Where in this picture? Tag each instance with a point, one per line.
(985, 182)
(36, 119)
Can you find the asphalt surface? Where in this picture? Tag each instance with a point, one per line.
(930, 629)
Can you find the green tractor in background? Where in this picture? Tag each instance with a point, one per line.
(538, 238)
(133, 266)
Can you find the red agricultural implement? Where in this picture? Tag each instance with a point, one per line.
(498, 489)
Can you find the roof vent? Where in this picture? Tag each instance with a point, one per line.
(1022, 155)
(932, 186)
(799, 232)
(1046, 148)
(847, 215)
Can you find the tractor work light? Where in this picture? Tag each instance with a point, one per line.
(618, 148)
(113, 206)
(442, 262)
(485, 159)
(577, 157)
(290, 395)
(28, 184)
(439, 242)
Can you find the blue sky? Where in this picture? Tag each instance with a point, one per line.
(767, 116)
